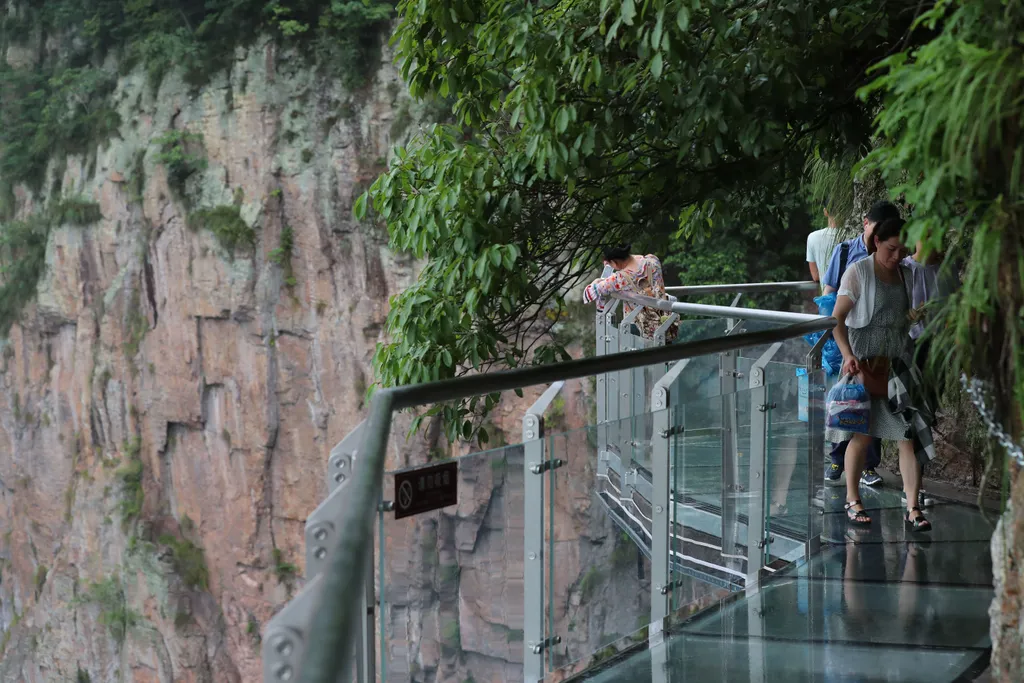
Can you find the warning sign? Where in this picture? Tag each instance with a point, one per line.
(426, 489)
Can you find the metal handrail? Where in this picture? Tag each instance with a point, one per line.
(332, 632)
(717, 311)
(745, 288)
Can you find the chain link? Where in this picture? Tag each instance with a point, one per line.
(975, 389)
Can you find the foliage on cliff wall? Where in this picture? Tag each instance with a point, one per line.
(47, 113)
(23, 252)
(952, 148)
(200, 35)
(57, 104)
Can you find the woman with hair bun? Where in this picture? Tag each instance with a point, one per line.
(633, 274)
(873, 316)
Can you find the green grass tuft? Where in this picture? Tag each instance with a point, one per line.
(130, 475)
(226, 223)
(285, 571)
(188, 560)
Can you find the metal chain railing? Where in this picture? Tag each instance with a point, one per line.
(976, 390)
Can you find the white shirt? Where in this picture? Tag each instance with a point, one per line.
(820, 244)
(859, 285)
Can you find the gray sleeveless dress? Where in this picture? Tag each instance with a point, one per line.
(886, 335)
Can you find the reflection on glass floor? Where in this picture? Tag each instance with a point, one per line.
(877, 605)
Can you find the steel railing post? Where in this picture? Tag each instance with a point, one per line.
(534, 556)
(661, 575)
(757, 533)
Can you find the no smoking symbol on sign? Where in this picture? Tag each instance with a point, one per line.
(405, 495)
(426, 488)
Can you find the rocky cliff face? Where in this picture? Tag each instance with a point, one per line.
(1007, 628)
(191, 390)
(168, 400)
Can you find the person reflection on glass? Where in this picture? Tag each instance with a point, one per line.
(873, 317)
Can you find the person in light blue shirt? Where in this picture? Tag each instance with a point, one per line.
(856, 249)
(843, 256)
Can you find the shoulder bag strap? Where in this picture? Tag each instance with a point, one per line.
(844, 257)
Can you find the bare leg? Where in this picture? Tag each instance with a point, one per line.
(910, 588)
(856, 452)
(852, 589)
(910, 470)
(785, 463)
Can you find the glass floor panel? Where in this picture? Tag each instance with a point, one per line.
(881, 604)
(964, 564)
(952, 522)
(692, 658)
(856, 612)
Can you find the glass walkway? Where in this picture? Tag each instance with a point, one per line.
(873, 605)
(662, 519)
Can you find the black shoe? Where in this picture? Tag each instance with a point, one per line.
(870, 478)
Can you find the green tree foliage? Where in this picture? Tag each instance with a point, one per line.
(583, 122)
(181, 152)
(199, 36)
(22, 262)
(952, 148)
(226, 223)
(133, 496)
(189, 561)
(23, 252)
(50, 112)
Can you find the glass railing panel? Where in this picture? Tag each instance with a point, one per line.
(710, 468)
(598, 570)
(790, 355)
(451, 580)
(791, 518)
(597, 540)
(720, 497)
(701, 377)
(631, 390)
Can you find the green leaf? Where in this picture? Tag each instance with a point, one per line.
(531, 146)
(562, 121)
(359, 208)
(659, 27)
(656, 65)
(683, 18)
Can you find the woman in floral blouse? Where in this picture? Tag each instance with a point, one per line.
(633, 274)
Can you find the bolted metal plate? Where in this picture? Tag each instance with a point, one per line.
(284, 639)
(322, 532)
(342, 458)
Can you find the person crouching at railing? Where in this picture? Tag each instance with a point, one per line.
(639, 275)
(873, 315)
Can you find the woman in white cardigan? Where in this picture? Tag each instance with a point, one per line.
(873, 315)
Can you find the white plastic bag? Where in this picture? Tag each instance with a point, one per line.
(848, 406)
